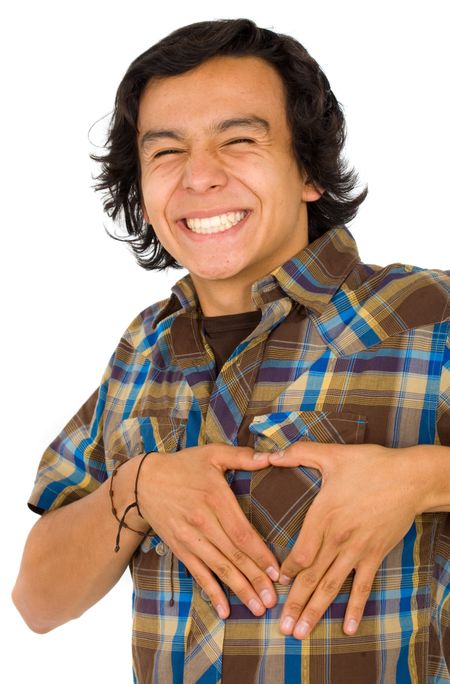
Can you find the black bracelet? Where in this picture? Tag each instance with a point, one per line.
(136, 484)
(134, 504)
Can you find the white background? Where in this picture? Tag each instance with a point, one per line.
(69, 291)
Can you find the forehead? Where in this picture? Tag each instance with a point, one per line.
(220, 87)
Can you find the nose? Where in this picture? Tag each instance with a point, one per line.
(203, 172)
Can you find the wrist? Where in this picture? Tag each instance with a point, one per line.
(431, 468)
(125, 494)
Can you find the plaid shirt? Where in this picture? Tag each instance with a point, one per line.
(344, 352)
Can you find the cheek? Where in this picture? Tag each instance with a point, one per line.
(251, 173)
(155, 205)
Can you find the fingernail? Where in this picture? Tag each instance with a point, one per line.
(266, 597)
(284, 579)
(273, 573)
(255, 606)
(301, 629)
(351, 626)
(221, 612)
(287, 624)
(277, 454)
(260, 456)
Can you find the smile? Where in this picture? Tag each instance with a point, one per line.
(215, 224)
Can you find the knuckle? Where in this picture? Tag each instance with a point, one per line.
(312, 615)
(301, 559)
(342, 536)
(294, 607)
(238, 557)
(330, 586)
(309, 578)
(259, 581)
(196, 519)
(263, 557)
(182, 533)
(223, 572)
(362, 588)
(241, 537)
(306, 558)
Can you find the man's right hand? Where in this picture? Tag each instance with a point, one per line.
(187, 501)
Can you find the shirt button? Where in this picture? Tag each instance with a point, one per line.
(161, 549)
(205, 596)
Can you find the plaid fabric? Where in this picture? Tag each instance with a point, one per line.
(344, 352)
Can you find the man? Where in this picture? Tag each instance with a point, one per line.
(298, 530)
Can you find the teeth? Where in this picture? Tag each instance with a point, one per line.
(215, 224)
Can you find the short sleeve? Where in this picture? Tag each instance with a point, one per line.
(74, 463)
(443, 418)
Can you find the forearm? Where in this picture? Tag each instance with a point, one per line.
(69, 561)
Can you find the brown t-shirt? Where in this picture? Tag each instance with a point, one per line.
(224, 333)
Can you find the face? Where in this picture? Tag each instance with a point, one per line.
(219, 181)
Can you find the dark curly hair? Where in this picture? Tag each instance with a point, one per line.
(315, 117)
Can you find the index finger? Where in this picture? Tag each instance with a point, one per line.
(239, 458)
(244, 536)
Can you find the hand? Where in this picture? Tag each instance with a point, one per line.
(367, 503)
(185, 498)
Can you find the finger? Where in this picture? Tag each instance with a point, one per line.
(208, 583)
(303, 589)
(309, 454)
(244, 563)
(304, 614)
(228, 573)
(307, 546)
(361, 588)
(243, 535)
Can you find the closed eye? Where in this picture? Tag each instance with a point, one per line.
(240, 140)
(162, 153)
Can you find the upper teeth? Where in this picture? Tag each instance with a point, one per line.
(215, 224)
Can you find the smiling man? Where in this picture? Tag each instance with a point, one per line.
(221, 184)
(268, 449)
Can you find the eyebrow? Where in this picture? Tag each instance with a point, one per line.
(253, 122)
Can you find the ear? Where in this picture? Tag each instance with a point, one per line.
(144, 210)
(312, 192)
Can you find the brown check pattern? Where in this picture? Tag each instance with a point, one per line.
(344, 352)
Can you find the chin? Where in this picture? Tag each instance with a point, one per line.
(214, 270)
(213, 275)
(217, 271)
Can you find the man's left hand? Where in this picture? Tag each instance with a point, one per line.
(367, 503)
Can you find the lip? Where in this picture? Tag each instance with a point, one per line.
(199, 237)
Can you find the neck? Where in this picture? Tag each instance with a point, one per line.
(233, 295)
(219, 299)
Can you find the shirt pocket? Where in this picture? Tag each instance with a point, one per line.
(143, 434)
(280, 497)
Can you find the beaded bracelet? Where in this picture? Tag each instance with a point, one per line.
(134, 504)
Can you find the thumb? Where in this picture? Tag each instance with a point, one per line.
(240, 458)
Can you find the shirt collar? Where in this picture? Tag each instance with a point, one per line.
(310, 278)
